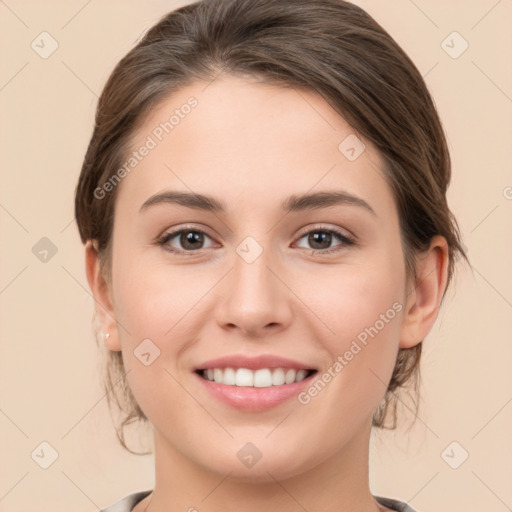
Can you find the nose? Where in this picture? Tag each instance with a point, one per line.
(254, 299)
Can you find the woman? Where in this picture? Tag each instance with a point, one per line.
(297, 147)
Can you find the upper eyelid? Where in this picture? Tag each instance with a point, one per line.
(325, 227)
(175, 232)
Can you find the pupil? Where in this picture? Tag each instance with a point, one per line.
(188, 238)
(321, 236)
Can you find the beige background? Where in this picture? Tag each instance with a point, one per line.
(49, 379)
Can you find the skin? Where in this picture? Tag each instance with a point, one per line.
(252, 145)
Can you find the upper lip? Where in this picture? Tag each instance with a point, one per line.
(254, 363)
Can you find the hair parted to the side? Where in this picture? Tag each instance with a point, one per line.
(332, 47)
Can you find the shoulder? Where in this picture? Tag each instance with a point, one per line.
(394, 504)
(127, 503)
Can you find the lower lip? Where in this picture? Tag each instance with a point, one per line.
(254, 399)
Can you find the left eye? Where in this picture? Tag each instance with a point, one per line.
(190, 239)
(321, 240)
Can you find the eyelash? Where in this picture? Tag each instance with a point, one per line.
(167, 237)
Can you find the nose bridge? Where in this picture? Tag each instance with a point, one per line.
(253, 298)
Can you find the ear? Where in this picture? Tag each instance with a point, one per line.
(424, 300)
(102, 293)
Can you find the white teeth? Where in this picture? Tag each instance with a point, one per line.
(290, 376)
(217, 375)
(301, 375)
(262, 378)
(229, 377)
(278, 377)
(244, 377)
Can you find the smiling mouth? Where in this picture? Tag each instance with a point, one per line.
(261, 378)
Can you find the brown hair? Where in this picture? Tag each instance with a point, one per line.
(329, 46)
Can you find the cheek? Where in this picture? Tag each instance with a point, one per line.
(155, 303)
(353, 299)
(154, 300)
(363, 310)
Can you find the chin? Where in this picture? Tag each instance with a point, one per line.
(266, 469)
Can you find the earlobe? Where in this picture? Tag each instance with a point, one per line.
(424, 300)
(102, 297)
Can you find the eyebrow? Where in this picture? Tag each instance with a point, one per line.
(293, 203)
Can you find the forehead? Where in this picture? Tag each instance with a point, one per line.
(241, 140)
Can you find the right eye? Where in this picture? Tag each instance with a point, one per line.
(190, 239)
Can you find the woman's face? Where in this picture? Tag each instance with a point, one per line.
(265, 275)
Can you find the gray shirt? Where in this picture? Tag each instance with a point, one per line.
(127, 503)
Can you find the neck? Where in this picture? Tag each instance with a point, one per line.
(337, 484)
